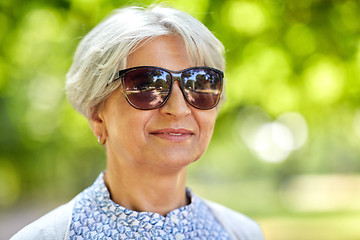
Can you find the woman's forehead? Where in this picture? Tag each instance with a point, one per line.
(167, 51)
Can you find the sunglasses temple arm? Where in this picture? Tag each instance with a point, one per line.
(113, 78)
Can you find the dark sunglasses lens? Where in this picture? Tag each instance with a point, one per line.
(202, 87)
(146, 88)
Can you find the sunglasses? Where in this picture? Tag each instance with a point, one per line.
(147, 87)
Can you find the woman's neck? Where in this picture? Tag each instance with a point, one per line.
(143, 190)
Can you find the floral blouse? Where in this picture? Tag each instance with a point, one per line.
(96, 216)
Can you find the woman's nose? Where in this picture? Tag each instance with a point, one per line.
(176, 105)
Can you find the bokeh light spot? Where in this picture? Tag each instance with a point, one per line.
(324, 82)
(41, 25)
(246, 17)
(298, 127)
(195, 8)
(272, 141)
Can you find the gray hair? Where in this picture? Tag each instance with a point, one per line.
(104, 50)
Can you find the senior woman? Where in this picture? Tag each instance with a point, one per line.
(149, 82)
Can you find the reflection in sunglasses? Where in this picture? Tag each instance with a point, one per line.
(146, 99)
(148, 87)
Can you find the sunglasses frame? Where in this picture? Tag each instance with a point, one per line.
(175, 76)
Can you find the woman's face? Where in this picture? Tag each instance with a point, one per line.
(170, 137)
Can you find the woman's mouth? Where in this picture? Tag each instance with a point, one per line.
(172, 134)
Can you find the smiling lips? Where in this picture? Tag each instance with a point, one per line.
(173, 134)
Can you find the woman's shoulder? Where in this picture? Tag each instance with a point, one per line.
(237, 224)
(52, 226)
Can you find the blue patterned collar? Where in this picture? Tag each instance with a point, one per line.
(101, 195)
(96, 216)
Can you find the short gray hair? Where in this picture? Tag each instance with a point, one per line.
(104, 50)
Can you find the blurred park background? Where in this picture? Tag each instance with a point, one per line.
(286, 148)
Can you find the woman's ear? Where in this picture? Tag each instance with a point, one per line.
(97, 124)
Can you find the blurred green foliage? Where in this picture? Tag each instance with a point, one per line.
(282, 56)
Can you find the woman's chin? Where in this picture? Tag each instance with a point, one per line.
(173, 162)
